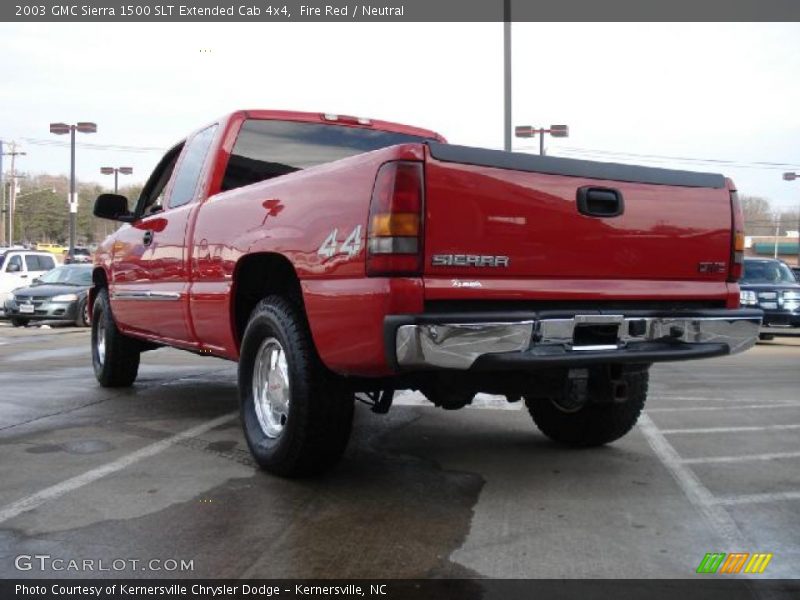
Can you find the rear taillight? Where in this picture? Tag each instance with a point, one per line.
(394, 235)
(737, 237)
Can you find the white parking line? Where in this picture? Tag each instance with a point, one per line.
(757, 498)
(743, 428)
(739, 407)
(35, 500)
(704, 399)
(480, 402)
(697, 493)
(742, 458)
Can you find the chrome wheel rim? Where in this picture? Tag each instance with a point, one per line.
(271, 390)
(86, 312)
(100, 343)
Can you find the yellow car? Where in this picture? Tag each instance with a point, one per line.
(57, 249)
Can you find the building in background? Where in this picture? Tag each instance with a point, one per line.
(784, 247)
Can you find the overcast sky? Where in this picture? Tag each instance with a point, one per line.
(728, 92)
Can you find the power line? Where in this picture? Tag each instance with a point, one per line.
(659, 158)
(91, 146)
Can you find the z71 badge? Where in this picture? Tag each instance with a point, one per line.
(468, 260)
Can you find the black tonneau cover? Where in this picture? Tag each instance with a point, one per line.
(588, 169)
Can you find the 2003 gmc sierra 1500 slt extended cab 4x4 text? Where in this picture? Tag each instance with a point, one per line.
(336, 256)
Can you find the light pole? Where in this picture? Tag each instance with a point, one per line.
(789, 176)
(62, 129)
(116, 171)
(507, 75)
(528, 131)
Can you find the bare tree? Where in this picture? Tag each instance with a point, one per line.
(759, 216)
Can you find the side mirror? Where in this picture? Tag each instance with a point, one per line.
(113, 207)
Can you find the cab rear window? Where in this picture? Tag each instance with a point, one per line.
(265, 149)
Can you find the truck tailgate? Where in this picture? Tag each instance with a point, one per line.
(506, 215)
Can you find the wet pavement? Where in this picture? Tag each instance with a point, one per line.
(161, 471)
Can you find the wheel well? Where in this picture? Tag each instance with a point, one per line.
(99, 282)
(258, 276)
(99, 278)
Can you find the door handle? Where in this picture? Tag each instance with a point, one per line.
(23, 276)
(148, 237)
(600, 202)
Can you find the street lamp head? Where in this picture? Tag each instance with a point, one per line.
(126, 170)
(523, 131)
(559, 130)
(107, 170)
(86, 127)
(59, 128)
(790, 176)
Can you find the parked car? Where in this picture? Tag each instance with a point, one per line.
(58, 295)
(770, 285)
(19, 267)
(333, 256)
(56, 249)
(79, 256)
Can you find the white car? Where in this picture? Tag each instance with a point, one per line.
(19, 268)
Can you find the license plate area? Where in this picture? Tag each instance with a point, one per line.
(26, 309)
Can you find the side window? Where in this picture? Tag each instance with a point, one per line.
(14, 264)
(191, 166)
(32, 262)
(46, 263)
(151, 200)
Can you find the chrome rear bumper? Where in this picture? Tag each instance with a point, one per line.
(439, 342)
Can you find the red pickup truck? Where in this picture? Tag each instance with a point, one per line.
(336, 257)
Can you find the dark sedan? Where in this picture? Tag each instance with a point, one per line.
(770, 285)
(58, 295)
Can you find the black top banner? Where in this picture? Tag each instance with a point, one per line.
(273, 11)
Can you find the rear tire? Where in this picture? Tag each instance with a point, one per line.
(595, 423)
(296, 417)
(19, 322)
(115, 357)
(766, 337)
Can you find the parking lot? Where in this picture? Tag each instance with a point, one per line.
(162, 471)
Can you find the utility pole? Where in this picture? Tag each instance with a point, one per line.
(507, 75)
(2, 198)
(777, 233)
(12, 191)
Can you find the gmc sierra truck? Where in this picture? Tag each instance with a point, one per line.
(338, 258)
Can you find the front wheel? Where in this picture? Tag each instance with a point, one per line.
(115, 356)
(596, 422)
(296, 418)
(82, 311)
(19, 322)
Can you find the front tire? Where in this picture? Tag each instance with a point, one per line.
(82, 320)
(115, 357)
(594, 423)
(19, 322)
(296, 417)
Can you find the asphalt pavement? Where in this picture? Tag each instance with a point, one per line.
(161, 472)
